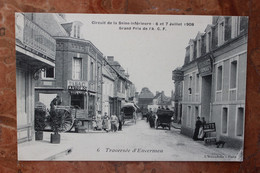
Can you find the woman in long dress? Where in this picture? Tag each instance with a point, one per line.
(99, 121)
(106, 122)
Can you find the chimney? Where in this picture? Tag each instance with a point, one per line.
(110, 58)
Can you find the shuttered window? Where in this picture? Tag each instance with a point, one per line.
(215, 37)
(77, 68)
(227, 28)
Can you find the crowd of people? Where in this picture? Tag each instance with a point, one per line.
(107, 123)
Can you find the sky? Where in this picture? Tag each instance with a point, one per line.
(149, 56)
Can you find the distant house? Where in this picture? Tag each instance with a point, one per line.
(161, 99)
(145, 98)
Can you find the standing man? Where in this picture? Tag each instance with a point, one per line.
(120, 119)
(113, 123)
(56, 101)
(197, 128)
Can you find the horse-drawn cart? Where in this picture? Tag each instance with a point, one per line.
(71, 118)
(164, 118)
(129, 112)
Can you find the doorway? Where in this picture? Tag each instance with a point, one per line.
(206, 97)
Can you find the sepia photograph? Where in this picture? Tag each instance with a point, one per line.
(114, 87)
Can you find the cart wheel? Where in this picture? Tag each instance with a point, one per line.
(67, 122)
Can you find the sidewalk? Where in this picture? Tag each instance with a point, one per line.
(176, 125)
(230, 152)
(44, 150)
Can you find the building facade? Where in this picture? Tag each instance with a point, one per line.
(77, 76)
(35, 49)
(145, 98)
(177, 76)
(214, 84)
(124, 89)
(108, 90)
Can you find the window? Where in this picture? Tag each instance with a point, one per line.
(78, 32)
(208, 44)
(243, 23)
(198, 47)
(119, 86)
(233, 74)
(190, 85)
(228, 28)
(240, 121)
(191, 52)
(224, 120)
(189, 116)
(221, 33)
(234, 28)
(197, 83)
(91, 71)
(123, 87)
(77, 68)
(75, 29)
(196, 112)
(48, 73)
(219, 78)
(195, 50)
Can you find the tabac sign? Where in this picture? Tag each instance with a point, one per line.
(205, 65)
(77, 85)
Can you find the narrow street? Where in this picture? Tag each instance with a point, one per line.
(140, 142)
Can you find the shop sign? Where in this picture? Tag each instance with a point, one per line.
(77, 85)
(209, 127)
(205, 66)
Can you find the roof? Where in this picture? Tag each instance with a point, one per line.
(146, 93)
(67, 27)
(107, 73)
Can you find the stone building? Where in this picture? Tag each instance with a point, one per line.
(35, 49)
(177, 76)
(77, 75)
(214, 84)
(145, 98)
(160, 99)
(123, 88)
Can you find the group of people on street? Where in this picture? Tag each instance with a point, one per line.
(199, 134)
(152, 116)
(107, 123)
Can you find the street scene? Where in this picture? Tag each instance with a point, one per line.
(130, 87)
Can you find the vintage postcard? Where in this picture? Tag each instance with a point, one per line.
(110, 87)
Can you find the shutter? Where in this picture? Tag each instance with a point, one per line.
(187, 55)
(243, 24)
(227, 28)
(214, 37)
(203, 45)
(195, 50)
